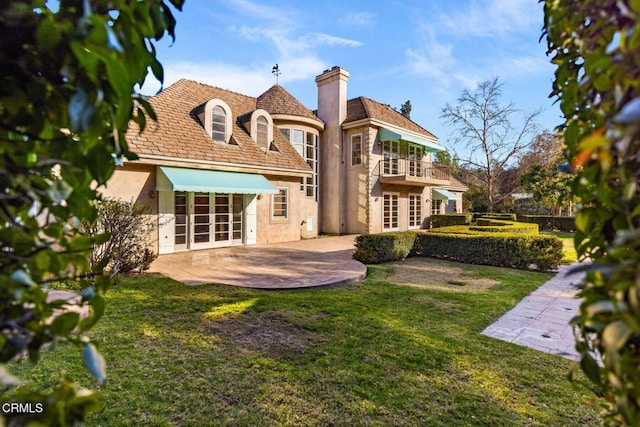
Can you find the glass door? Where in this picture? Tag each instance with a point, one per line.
(181, 225)
(201, 219)
(237, 218)
(415, 158)
(390, 153)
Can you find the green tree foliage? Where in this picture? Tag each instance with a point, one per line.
(549, 186)
(405, 109)
(596, 49)
(485, 127)
(66, 98)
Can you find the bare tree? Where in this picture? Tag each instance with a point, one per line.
(485, 128)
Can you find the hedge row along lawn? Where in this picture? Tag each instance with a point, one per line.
(401, 348)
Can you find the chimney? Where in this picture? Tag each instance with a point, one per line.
(332, 110)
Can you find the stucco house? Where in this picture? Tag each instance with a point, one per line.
(219, 168)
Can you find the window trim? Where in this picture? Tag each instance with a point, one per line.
(208, 109)
(360, 162)
(286, 204)
(254, 127)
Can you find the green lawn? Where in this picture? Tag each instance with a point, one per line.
(375, 353)
(570, 254)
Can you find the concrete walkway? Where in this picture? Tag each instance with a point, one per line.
(291, 265)
(541, 320)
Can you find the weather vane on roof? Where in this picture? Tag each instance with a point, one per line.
(276, 71)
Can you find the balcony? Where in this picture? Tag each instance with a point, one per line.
(411, 172)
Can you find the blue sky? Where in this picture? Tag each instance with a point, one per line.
(424, 51)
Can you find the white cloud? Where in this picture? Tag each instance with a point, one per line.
(492, 18)
(359, 19)
(250, 80)
(436, 61)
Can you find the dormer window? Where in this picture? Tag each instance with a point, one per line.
(262, 128)
(262, 131)
(218, 124)
(216, 118)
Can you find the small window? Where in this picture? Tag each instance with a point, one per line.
(218, 124)
(356, 150)
(286, 132)
(262, 131)
(280, 204)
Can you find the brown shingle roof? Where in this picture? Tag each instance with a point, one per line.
(277, 100)
(178, 133)
(365, 108)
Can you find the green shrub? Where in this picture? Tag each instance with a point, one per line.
(487, 225)
(450, 219)
(497, 249)
(505, 216)
(384, 247)
(552, 223)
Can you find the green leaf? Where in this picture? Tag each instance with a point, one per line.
(95, 363)
(63, 324)
(100, 164)
(615, 335)
(47, 35)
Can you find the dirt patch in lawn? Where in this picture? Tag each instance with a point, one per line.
(431, 274)
(267, 333)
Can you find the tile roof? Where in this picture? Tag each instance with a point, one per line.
(277, 100)
(365, 108)
(178, 132)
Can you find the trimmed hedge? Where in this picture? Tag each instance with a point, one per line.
(552, 223)
(488, 225)
(450, 219)
(505, 216)
(461, 244)
(501, 250)
(384, 247)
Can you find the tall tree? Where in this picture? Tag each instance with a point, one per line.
(485, 128)
(405, 109)
(67, 74)
(595, 46)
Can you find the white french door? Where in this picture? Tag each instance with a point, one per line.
(207, 220)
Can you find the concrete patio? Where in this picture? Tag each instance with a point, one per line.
(291, 265)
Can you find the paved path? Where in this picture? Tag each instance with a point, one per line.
(301, 264)
(541, 320)
(72, 297)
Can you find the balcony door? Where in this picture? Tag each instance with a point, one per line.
(416, 152)
(390, 154)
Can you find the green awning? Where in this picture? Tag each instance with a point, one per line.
(388, 135)
(207, 181)
(440, 194)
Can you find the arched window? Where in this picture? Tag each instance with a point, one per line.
(261, 128)
(262, 132)
(216, 118)
(218, 124)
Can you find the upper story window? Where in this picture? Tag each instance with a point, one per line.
(216, 118)
(262, 131)
(262, 128)
(218, 124)
(356, 150)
